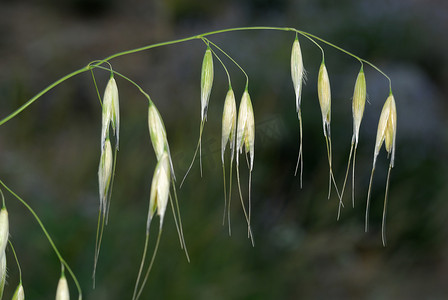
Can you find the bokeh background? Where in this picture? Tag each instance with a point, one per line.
(49, 154)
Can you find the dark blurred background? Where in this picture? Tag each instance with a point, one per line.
(49, 154)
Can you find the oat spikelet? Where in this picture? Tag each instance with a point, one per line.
(158, 136)
(19, 294)
(160, 144)
(62, 292)
(245, 136)
(4, 230)
(111, 112)
(324, 95)
(158, 200)
(206, 88)
(298, 76)
(387, 129)
(358, 104)
(228, 136)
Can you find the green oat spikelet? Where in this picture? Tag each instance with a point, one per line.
(387, 130)
(245, 136)
(358, 104)
(228, 136)
(298, 77)
(19, 294)
(324, 95)
(206, 88)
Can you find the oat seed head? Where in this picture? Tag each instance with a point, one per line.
(157, 133)
(105, 173)
(228, 124)
(387, 127)
(4, 230)
(206, 82)
(246, 128)
(297, 71)
(62, 292)
(160, 189)
(111, 113)
(358, 104)
(324, 94)
(19, 293)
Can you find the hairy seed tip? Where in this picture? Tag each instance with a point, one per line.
(324, 94)
(297, 71)
(160, 189)
(111, 111)
(62, 292)
(246, 128)
(228, 124)
(358, 104)
(105, 173)
(4, 230)
(19, 294)
(206, 81)
(2, 273)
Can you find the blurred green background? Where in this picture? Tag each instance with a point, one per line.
(49, 154)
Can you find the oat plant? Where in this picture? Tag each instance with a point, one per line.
(238, 131)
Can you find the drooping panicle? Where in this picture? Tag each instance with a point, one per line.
(206, 82)
(228, 124)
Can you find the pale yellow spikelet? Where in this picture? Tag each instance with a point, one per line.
(62, 292)
(206, 81)
(297, 71)
(4, 230)
(324, 94)
(387, 130)
(105, 173)
(228, 124)
(2, 273)
(358, 104)
(111, 111)
(387, 126)
(19, 294)
(160, 189)
(246, 128)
